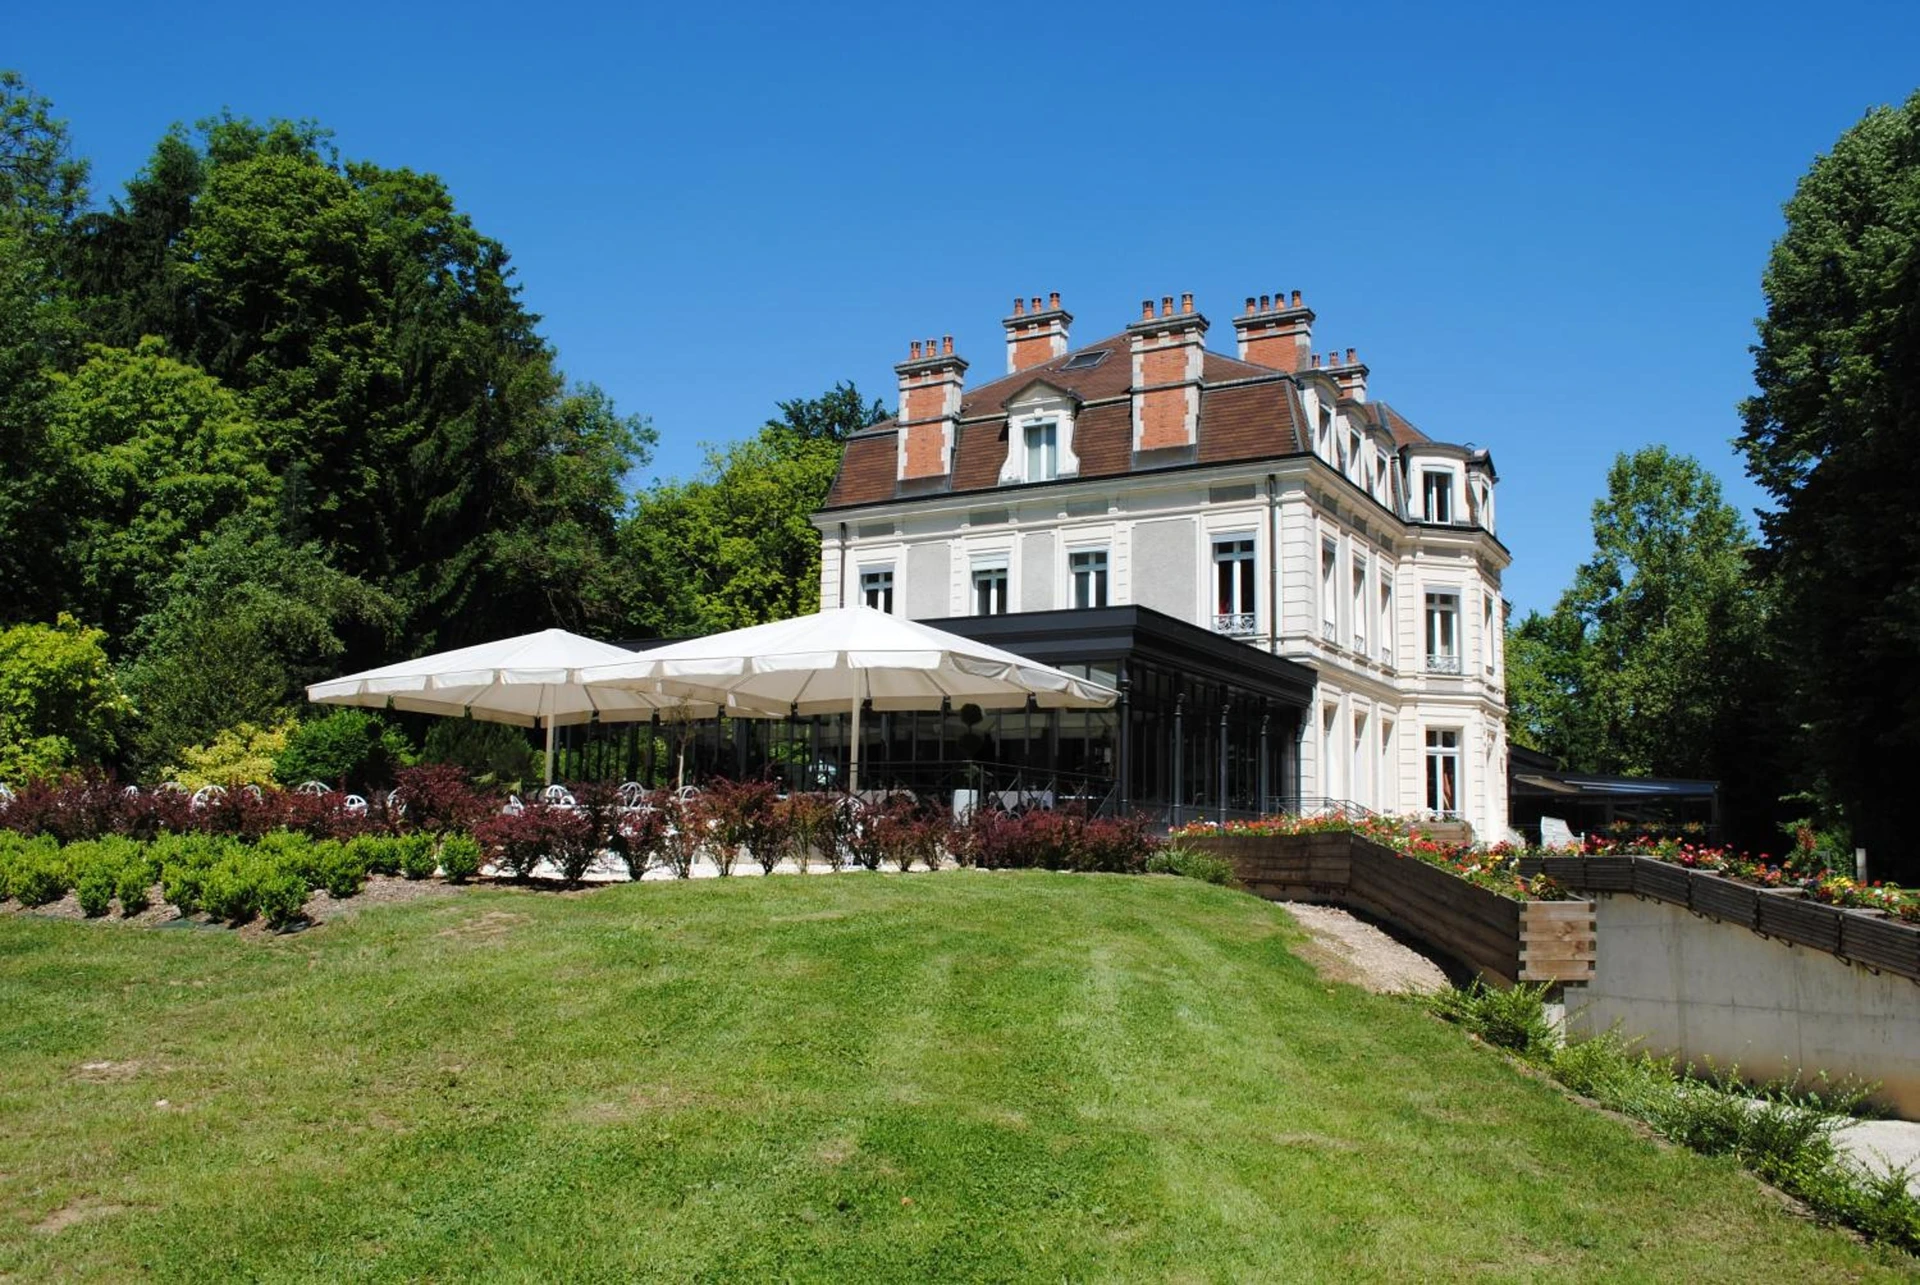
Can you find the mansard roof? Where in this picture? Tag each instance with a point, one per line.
(1247, 412)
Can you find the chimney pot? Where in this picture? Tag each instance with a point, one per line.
(1263, 304)
(1053, 300)
(913, 351)
(946, 346)
(1146, 310)
(1036, 303)
(1316, 361)
(1350, 360)
(1249, 305)
(1296, 298)
(1166, 305)
(1186, 303)
(1019, 306)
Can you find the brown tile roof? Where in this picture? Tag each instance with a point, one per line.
(1247, 412)
(1404, 433)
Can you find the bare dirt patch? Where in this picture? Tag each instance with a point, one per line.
(490, 926)
(1346, 948)
(78, 1211)
(104, 1072)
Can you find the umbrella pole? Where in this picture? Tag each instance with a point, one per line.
(549, 751)
(853, 772)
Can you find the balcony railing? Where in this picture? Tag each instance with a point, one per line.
(1329, 632)
(1236, 624)
(1360, 644)
(1443, 664)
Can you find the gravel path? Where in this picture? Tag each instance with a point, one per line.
(1349, 949)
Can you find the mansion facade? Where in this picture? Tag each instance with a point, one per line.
(1261, 498)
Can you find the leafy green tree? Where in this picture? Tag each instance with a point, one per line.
(735, 546)
(349, 749)
(59, 704)
(151, 456)
(1651, 663)
(242, 626)
(1834, 436)
(37, 336)
(42, 184)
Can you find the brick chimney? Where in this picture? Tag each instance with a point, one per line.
(1167, 352)
(1273, 332)
(1037, 335)
(929, 416)
(1350, 374)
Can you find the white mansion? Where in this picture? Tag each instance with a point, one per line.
(1262, 497)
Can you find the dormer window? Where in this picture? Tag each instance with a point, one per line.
(1043, 451)
(1437, 487)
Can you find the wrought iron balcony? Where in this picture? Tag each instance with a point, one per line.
(1236, 624)
(1443, 664)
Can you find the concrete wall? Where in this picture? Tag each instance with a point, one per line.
(1163, 567)
(1036, 572)
(928, 591)
(1695, 989)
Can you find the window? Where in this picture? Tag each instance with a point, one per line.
(1443, 632)
(1388, 788)
(1043, 452)
(1329, 620)
(1489, 635)
(1233, 601)
(1386, 619)
(1360, 604)
(1362, 760)
(990, 589)
(876, 589)
(1437, 485)
(1089, 568)
(1086, 360)
(1443, 771)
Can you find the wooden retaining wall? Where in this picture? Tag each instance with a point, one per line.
(1857, 936)
(1502, 940)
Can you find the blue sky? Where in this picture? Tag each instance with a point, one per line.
(1543, 230)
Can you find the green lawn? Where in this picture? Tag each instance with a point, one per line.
(861, 1077)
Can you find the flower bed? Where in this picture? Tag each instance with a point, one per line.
(1794, 872)
(1496, 868)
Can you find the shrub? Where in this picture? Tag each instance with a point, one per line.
(348, 748)
(643, 834)
(905, 831)
(1203, 866)
(240, 755)
(811, 826)
(459, 857)
(378, 854)
(95, 891)
(1513, 1019)
(740, 816)
(417, 860)
(519, 842)
(230, 889)
(39, 876)
(437, 797)
(681, 835)
(134, 887)
(342, 871)
(281, 896)
(497, 751)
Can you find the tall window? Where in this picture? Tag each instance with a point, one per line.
(1362, 761)
(1360, 604)
(1043, 452)
(1489, 630)
(1437, 484)
(1443, 771)
(990, 589)
(1089, 568)
(1233, 600)
(876, 589)
(1329, 560)
(1389, 788)
(1443, 632)
(1386, 618)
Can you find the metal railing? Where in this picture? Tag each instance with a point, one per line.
(1235, 624)
(1329, 631)
(1443, 664)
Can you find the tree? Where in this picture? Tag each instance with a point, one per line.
(60, 707)
(1650, 663)
(149, 457)
(242, 626)
(736, 546)
(42, 184)
(1833, 434)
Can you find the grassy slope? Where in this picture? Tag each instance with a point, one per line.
(861, 1077)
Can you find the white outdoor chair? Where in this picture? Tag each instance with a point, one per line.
(559, 796)
(632, 794)
(313, 787)
(253, 792)
(206, 794)
(513, 806)
(6, 795)
(356, 806)
(131, 792)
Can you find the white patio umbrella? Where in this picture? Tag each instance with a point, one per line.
(835, 660)
(530, 681)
